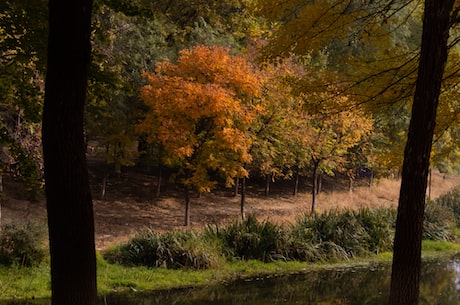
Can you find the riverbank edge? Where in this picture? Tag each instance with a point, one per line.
(34, 283)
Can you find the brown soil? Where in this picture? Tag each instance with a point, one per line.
(129, 207)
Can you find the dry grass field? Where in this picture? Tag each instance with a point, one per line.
(129, 207)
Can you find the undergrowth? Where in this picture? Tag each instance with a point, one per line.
(330, 236)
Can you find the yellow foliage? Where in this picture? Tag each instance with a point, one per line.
(200, 109)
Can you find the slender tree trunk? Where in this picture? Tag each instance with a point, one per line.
(371, 178)
(319, 183)
(187, 206)
(267, 185)
(409, 224)
(159, 181)
(350, 184)
(105, 180)
(243, 198)
(237, 185)
(430, 177)
(69, 202)
(314, 181)
(296, 183)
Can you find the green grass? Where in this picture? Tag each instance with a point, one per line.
(26, 283)
(21, 282)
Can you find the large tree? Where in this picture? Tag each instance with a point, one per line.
(200, 111)
(69, 203)
(409, 224)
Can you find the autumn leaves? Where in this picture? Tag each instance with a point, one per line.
(216, 112)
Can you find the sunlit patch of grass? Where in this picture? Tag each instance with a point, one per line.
(25, 283)
(437, 246)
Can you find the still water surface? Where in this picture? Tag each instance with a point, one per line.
(367, 285)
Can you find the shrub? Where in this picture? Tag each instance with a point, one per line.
(22, 244)
(451, 200)
(438, 222)
(251, 239)
(344, 234)
(171, 250)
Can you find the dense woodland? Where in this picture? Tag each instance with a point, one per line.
(215, 93)
(221, 92)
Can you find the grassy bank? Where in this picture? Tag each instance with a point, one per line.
(27, 283)
(250, 248)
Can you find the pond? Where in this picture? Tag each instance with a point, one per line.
(365, 285)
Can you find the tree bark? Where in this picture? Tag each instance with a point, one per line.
(314, 182)
(69, 202)
(409, 224)
(243, 198)
(267, 185)
(187, 206)
(296, 182)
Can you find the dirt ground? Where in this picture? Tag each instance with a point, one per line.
(129, 207)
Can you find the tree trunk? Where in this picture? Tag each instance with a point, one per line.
(243, 198)
(159, 181)
(314, 181)
(267, 185)
(371, 178)
(319, 183)
(105, 181)
(409, 224)
(430, 177)
(237, 184)
(187, 206)
(296, 183)
(69, 202)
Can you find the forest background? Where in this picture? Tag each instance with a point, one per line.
(196, 93)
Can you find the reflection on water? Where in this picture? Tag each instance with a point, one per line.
(348, 286)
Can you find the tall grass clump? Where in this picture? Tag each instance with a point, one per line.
(451, 200)
(338, 235)
(23, 244)
(252, 239)
(171, 250)
(439, 222)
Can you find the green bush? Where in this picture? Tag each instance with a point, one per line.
(171, 250)
(22, 244)
(451, 200)
(438, 223)
(251, 239)
(342, 234)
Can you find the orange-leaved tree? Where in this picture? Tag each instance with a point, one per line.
(200, 112)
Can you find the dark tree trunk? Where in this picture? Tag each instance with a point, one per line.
(237, 184)
(159, 181)
(267, 185)
(314, 182)
(409, 224)
(371, 178)
(243, 198)
(319, 183)
(187, 206)
(105, 180)
(69, 202)
(296, 183)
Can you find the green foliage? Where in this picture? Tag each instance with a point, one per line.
(326, 237)
(438, 222)
(451, 200)
(251, 239)
(22, 245)
(343, 234)
(172, 250)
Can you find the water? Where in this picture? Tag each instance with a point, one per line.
(366, 285)
(354, 286)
